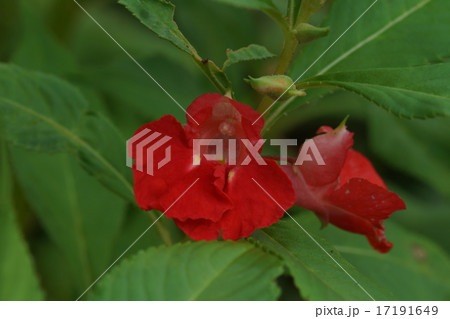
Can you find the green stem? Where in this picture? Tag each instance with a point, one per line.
(290, 10)
(265, 103)
(278, 18)
(205, 69)
(271, 119)
(307, 9)
(163, 232)
(289, 47)
(290, 42)
(316, 85)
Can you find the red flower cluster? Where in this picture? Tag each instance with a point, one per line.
(223, 199)
(346, 191)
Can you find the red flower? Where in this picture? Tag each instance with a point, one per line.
(224, 200)
(346, 191)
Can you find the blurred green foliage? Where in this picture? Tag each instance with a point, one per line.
(60, 227)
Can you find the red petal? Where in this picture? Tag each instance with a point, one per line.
(312, 181)
(307, 196)
(201, 110)
(324, 129)
(252, 207)
(360, 207)
(362, 202)
(149, 189)
(199, 229)
(333, 147)
(219, 117)
(358, 166)
(203, 200)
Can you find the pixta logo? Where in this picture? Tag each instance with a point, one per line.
(228, 153)
(142, 147)
(147, 141)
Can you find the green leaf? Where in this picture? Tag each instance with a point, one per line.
(393, 33)
(267, 6)
(123, 84)
(249, 53)
(217, 76)
(427, 214)
(18, 279)
(207, 22)
(101, 151)
(157, 15)
(415, 268)
(316, 275)
(83, 220)
(136, 222)
(90, 45)
(38, 49)
(414, 92)
(251, 4)
(53, 268)
(43, 113)
(194, 271)
(417, 148)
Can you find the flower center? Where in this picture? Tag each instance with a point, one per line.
(227, 129)
(225, 124)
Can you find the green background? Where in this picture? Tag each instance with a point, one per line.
(60, 228)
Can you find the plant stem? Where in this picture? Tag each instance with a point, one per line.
(270, 120)
(206, 69)
(290, 10)
(163, 232)
(289, 46)
(265, 103)
(290, 41)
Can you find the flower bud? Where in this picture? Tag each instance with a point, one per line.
(275, 86)
(306, 32)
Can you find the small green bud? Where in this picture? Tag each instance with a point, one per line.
(306, 32)
(274, 86)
